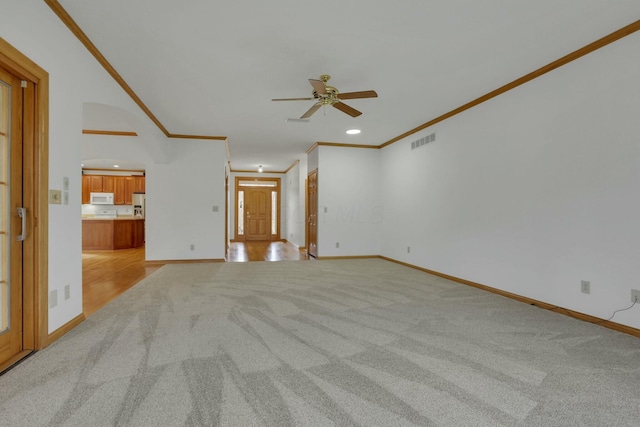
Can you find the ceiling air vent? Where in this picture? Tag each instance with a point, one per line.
(422, 141)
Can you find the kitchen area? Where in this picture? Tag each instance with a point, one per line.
(113, 210)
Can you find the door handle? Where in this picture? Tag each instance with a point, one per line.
(22, 213)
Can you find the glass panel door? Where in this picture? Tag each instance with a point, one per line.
(5, 146)
(10, 224)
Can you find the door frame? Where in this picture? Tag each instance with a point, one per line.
(273, 237)
(310, 214)
(35, 199)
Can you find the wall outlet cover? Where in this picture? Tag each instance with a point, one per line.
(635, 295)
(585, 287)
(55, 197)
(53, 298)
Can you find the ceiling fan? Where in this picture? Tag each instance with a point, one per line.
(324, 94)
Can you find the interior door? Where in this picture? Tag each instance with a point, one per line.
(11, 226)
(257, 214)
(312, 219)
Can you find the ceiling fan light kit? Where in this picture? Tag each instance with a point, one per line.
(324, 94)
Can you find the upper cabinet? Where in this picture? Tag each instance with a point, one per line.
(101, 183)
(86, 189)
(122, 187)
(138, 184)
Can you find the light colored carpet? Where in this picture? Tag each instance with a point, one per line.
(344, 342)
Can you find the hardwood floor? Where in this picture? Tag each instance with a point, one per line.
(264, 251)
(107, 274)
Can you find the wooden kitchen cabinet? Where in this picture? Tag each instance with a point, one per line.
(128, 190)
(95, 183)
(119, 192)
(122, 187)
(112, 234)
(108, 184)
(86, 189)
(139, 184)
(100, 183)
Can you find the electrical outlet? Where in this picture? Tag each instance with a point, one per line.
(192, 247)
(635, 295)
(408, 249)
(337, 244)
(67, 292)
(65, 183)
(585, 287)
(65, 197)
(55, 197)
(53, 298)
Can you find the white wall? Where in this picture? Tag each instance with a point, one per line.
(295, 209)
(349, 208)
(180, 194)
(533, 191)
(75, 77)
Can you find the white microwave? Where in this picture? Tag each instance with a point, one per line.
(101, 199)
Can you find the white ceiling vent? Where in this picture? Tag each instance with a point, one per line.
(422, 141)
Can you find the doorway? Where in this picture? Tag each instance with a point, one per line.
(257, 209)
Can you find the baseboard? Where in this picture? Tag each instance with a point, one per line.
(324, 258)
(58, 333)
(561, 310)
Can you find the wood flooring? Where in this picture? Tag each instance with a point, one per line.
(108, 273)
(264, 251)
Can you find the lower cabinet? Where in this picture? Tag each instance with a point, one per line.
(112, 234)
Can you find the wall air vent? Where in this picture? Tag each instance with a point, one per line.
(422, 141)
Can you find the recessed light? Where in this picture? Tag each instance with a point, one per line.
(116, 166)
(353, 131)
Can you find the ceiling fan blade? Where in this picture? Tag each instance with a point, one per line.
(318, 86)
(293, 99)
(361, 94)
(311, 111)
(346, 109)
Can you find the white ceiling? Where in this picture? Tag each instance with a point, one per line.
(208, 67)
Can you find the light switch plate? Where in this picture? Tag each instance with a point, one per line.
(65, 197)
(65, 183)
(55, 197)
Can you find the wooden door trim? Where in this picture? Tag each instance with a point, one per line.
(278, 187)
(308, 212)
(36, 173)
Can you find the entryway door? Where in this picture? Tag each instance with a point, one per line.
(11, 218)
(257, 211)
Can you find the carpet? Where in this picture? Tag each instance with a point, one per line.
(318, 343)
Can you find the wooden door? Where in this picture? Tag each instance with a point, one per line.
(312, 218)
(257, 214)
(11, 223)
